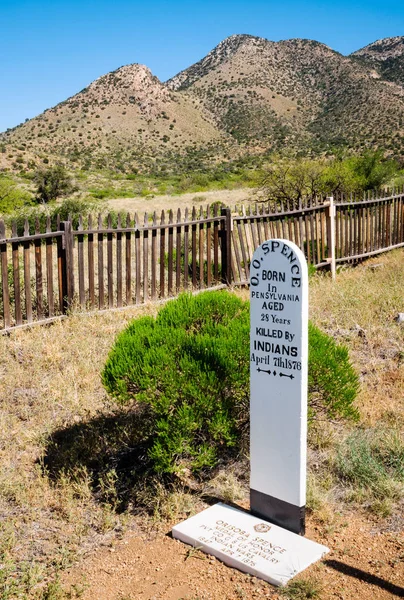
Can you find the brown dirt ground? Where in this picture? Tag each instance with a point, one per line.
(364, 563)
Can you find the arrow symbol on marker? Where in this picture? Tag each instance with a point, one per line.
(263, 371)
(284, 375)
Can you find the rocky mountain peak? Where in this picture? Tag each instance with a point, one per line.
(132, 83)
(216, 57)
(384, 49)
(386, 57)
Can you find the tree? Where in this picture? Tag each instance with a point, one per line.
(373, 170)
(52, 183)
(12, 196)
(293, 180)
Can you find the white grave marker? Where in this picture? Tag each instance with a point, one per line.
(249, 544)
(278, 359)
(278, 380)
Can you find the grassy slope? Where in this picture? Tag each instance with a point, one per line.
(49, 379)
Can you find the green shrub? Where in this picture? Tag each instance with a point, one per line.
(12, 196)
(29, 213)
(301, 589)
(52, 183)
(333, 383)
(110, 192)
(311, 269)
(188, 370)
(71, 207)
(186, 366)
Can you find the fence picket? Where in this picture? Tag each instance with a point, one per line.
(236, 246)
(162, 254)
(4, 278)
(38, 273)
(146, 259)
(388, 224)
(266, 226)
(49, 269)
(186, 249)
(101, 294)
(216, 244)
(260, 227)
(128, 262)
(137, 259)
(243, 250)
(27, 275)
(16, 277)
(208, 249)
(394, 221)
(80, 255)
(110, 268)
(170, 253)
(154, 257)
(90, 258)
(178, 255)
(201, 249)
(193, 247)
(377, 226)
(119, 281)
(254, 234)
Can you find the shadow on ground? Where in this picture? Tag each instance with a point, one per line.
(112, 452)
(365, 576)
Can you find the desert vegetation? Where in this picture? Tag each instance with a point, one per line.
(74, 462)
(274, 178)
(294, 180)
(200, 415)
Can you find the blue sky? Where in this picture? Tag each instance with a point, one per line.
(51, 49)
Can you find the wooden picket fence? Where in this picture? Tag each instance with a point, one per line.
(306, 227)
(96, 264)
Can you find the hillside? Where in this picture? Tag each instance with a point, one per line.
(124, 120)
(295, 92)
(248, 95)
(386, 57)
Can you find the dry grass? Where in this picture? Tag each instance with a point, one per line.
(50, 380)
(360, 310)
(161, 202)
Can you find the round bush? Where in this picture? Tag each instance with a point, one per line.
(189, 370)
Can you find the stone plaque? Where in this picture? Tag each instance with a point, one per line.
(249, 544)
(278, 380)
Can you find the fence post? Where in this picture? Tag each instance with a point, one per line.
(65, 266)
(4, 277)
(225, 234)
(330, 225)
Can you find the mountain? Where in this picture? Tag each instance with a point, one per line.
(122, 120)
(295, 93)
(386, 57)
(248, 95)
